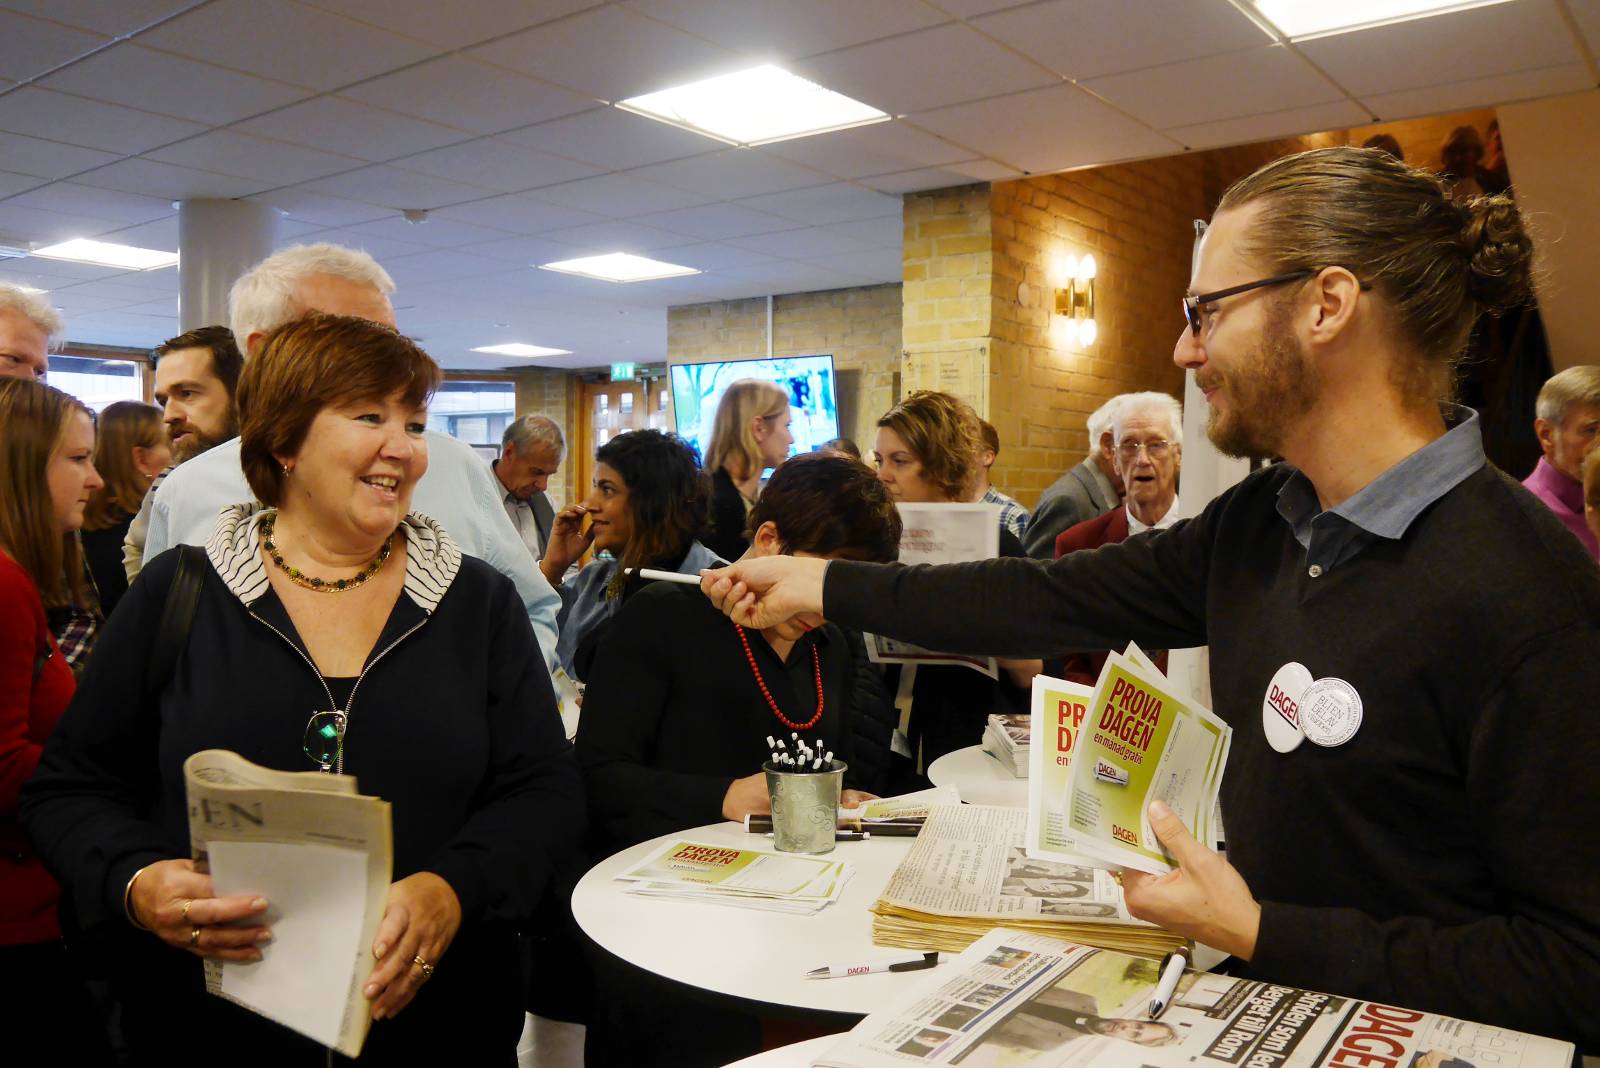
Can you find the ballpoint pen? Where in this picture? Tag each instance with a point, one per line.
(1172, 966)
(910, 963)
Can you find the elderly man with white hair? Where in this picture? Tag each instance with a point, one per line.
(1089, 489)
(28, 326)
(458, 489)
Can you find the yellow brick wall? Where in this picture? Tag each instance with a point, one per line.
(553, 393)
(859, 327)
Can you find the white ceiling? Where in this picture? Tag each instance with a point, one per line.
(495, 116)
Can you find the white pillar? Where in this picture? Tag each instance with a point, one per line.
(218, 240)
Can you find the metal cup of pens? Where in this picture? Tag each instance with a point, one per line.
(805, 805)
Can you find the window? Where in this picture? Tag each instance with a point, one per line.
(95, 382)
(474, 412)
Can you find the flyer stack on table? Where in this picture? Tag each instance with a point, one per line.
(744, 878)
(1006, 738)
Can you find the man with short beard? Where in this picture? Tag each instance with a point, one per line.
(1422, 623)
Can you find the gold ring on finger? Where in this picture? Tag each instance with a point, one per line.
(194, 937)
(188, 902)
(427, 969)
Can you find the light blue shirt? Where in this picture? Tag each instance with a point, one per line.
(458, 491)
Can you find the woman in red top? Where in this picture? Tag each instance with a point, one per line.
(46, 477)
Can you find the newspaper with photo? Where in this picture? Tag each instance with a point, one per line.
(743, 878)
(322, 856)
(941, 534)
(1016, 998)
(968, 873)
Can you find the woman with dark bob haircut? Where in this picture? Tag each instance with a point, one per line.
(335, 630)
(681, 702)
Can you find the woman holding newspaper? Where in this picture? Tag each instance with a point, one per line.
(332, 630)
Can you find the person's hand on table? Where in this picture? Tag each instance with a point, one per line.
(855, 798)
(1205, 899)
(747, 797)
(420, 920)
(764, 592)
(568, 540)
(177, 904)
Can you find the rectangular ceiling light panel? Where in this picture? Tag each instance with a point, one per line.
(754, 107)
(107, 254)
(1301, 19)
(519, 349)
(619, 267)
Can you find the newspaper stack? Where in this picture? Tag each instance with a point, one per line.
(1006, 739)
(968, 874)
(1020, 999)
(742, 878)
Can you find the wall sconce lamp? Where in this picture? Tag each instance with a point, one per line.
(1076, 301)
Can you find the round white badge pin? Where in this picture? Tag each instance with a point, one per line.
(1330, 712)
(1280, 707)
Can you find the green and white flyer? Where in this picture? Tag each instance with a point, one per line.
(1058, 711)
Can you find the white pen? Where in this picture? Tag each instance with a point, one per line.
(1172, 966)
(913, 962)
(665, 576)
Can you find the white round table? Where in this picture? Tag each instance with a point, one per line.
(799, 1055)
(981, 778)
(747, 953)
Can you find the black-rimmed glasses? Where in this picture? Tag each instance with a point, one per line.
(1192, 305)
(324, 742)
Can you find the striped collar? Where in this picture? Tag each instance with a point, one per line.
(432, 558)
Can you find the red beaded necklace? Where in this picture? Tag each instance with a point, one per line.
(816, 669)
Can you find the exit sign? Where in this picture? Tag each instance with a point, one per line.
(623, 372)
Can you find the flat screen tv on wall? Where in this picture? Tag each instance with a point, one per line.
(697, 389)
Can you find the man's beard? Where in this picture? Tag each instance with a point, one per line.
(198, 441)
(1267, 392)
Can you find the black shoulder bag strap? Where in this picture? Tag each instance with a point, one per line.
(178, 616)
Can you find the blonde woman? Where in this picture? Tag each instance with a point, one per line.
(751, 434)
(131, 449)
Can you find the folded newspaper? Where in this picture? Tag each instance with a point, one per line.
(941, 534)
(1015, 998)
(1105, 754)
(968, 873)
(322, 856)
(743, 878)
(1007, 738)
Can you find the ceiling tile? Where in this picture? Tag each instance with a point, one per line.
(113, 19)
(883, 265)
(158, 233)
(517, 214)
(388, 185)
(619, 196)
(82, 300)
(11, 184)
(1047, 130)
(435, 232)
(170, 182)
(47, 227)
(839, 202)
(74, 199)
(783, 28)
(1086, 38)
(731, 174)
(922, 178)
(800, 244)
(380, 248)
(469, 95)
(171, 85)
(48, 159)
(1217, 87)
(466, 24)
(615, 235)
(1588, 19)
(1339, 115)
(714, 222)
(611, 53)
(921, 71)
(29, 47)
(55, 274)
(497, 164)
(886, 231)
(423, 268)
(881, 148)
(792, 278)
(303, 206)
(89, 123)
(287, 41)
(712, 256)
(1483, 42)
(1482, 92)
(527, 251)
(355, 129)
(612, 139)
(275, 163)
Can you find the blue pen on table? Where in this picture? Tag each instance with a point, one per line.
(1172, 966)
(914, 962)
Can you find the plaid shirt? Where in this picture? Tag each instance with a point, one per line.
(1013, 516)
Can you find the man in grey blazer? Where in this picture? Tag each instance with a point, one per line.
(1090, 489)
(530, 453)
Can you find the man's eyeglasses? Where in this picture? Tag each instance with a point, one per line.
(1192, 305)
(1156, 450)
(324, 742)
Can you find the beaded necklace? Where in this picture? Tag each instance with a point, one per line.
(300, 578)
(816, 670)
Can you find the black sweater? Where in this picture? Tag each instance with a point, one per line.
(673, 713)
(1445, 858)
(725, 536)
